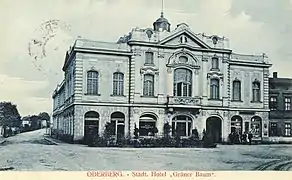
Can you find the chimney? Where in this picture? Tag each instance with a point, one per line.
(275, 75)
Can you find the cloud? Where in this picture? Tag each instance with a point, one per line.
(251, 26)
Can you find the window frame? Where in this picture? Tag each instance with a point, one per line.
(182, 82)
(217, 89)
(149, 58)
(287, 103)
(118, 84)
(93, 87)
(148, 91)
(234, 90)
(256, 91)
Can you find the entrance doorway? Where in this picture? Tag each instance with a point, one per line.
(214, 129)
(91, 124)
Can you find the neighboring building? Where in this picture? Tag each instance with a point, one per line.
(154, 76)
(281, 108)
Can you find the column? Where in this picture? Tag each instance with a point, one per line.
(169, 81)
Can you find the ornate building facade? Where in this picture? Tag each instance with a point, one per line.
(157, 75)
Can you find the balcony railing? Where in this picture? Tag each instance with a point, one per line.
(185, 100)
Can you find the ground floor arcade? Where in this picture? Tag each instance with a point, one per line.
(149, 121)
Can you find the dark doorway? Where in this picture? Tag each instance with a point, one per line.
(214, 129)
(91, 123)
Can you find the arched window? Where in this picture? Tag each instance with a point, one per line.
(118, 124)
(214, 89)
(236, 124)
(147, 125)
(215, 63)
(149, 58)
(181, 126)
(182, 83)
(256, 91)
(91, 123)
(148, 88)
(118, 84)
(92, 82)
(256, 126)
(236, 90)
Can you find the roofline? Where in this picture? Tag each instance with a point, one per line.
(153, 44)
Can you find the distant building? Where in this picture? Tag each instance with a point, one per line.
(280, 94)
(157, 75)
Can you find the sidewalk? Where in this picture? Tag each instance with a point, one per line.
(2, 140)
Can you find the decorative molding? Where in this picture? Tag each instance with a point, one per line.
(197, 72)
(186, 100)
(161, 111)
(137, 53)
(149, 70)
(192, 61)
(215, 75)
(136, 111)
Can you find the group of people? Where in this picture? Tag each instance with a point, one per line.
(236, 138)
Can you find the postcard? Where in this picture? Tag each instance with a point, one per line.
(145, 89)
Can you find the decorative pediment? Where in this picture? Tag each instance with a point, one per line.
(184, 37)
(215, 74)
(149, 70)
(183, 58)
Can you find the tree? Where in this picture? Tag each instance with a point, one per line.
(45, 116)
(9, 115)
(35, 122)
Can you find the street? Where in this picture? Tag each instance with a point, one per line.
(29, 151)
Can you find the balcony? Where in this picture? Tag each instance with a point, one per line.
(193, 101)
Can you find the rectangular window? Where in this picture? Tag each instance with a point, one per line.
(273, 103)
(149, 58)
(287, 104)
(215, 63)
(287, 129)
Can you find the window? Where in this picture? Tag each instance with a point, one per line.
(148, 89)
(287, 129)
(118, 84)
(214, 89)
(215, 63)
(182, 83)
(256, 126)
(256, 96)
(117, 124)
(147, 125)
(236, 124)
(273, 103)
(287, 103)
(273, 129)
(236, 90)
(181, 126)
(149, 58)
(92, 82)
(183, 59)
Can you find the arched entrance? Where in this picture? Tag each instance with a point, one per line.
(181, 125)
(256, 126)
(236, 124)
(118, 124)
(91, 123)
(147, 125)
(214, 128)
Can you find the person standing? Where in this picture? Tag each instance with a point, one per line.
(250, 136)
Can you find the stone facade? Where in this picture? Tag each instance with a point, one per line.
(281, 108)
(176, 77)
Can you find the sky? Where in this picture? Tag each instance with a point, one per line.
(252, 27)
